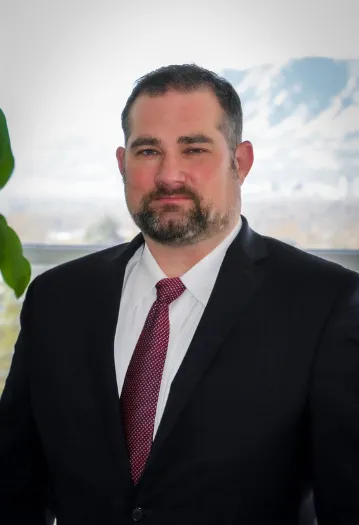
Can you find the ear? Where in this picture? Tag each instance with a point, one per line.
(120, 155)
(244, 159)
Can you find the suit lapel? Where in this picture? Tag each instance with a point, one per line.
(105, 302)
(239, 278)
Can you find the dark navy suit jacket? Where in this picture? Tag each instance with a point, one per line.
(263, 412)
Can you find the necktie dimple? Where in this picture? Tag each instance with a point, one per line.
(142, 383)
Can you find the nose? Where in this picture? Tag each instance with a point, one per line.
(170, 172)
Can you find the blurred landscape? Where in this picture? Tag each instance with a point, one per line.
(309, 223)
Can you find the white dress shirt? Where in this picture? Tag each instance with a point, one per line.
(138, 295)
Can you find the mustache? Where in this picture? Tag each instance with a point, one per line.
(167, 192)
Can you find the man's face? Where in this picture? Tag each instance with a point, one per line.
(182, 183)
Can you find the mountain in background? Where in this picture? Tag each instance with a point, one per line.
(303, 119)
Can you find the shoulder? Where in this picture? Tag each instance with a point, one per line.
(79, 272)
(291, 264)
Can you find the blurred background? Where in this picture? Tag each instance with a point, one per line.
(67, 68)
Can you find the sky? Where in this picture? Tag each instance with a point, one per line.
(67, 68)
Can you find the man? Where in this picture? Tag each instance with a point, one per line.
(202, 373)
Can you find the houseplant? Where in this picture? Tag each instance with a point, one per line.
(14, 267)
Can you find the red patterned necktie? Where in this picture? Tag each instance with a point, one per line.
(143, 378)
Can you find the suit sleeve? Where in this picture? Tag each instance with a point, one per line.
(335, 412)
(23, 480)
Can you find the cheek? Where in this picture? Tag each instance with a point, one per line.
(203, 176)
(209, 180)
(216, 187)
(138, 181)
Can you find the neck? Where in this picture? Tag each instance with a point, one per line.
(175, 261)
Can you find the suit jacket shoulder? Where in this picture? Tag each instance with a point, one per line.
(291, 262)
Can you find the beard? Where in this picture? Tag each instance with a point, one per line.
(191, 225)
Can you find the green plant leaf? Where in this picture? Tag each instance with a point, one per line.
(7, 161)
(3, 235)
(15, 268)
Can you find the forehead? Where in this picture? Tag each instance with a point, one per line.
(195, 111)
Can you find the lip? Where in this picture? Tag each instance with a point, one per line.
(175, 198)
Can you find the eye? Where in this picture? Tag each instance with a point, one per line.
(143, 151)
(195, 150)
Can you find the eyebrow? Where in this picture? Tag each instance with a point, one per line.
(198, 138)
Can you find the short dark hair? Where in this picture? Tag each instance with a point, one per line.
(189, 78)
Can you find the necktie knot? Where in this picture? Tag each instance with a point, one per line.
(169, 289)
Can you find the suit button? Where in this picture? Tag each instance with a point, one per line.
(137, 514)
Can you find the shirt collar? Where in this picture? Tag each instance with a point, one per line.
(148, 273)
(199, 280)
